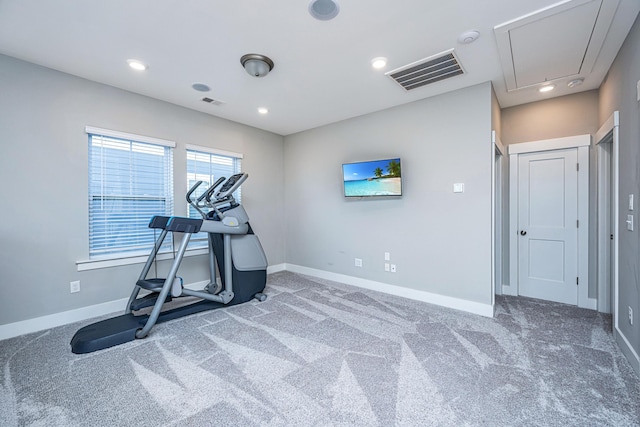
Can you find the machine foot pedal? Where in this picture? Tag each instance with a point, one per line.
(147, 301)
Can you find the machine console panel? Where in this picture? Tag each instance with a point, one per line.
(231, 185)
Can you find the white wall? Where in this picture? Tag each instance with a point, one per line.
(43, 190)
(440, 241)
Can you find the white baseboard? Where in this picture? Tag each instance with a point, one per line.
(276, 268)
(15, 329)
(627, 350)
(486, 310)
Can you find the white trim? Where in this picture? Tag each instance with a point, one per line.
(513, 226)
(210, 150)
(550, 144)
(609, 124)
(607, 214)
(15, 329)
(583, 231)
(486, 310)
(276, 268)
(95, 264)
(498, 143)
(496, 215)
(129, 136)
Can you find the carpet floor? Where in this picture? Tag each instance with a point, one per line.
(318, 353)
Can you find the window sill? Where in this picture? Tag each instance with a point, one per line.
(96, 264)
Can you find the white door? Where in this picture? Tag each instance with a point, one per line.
(548, 225)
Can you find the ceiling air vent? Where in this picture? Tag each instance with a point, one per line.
(426, 71)
(212, 101)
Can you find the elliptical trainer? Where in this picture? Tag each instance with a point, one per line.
(233, 247)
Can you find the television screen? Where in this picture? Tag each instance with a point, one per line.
(374, 178)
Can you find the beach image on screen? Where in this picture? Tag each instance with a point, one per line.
(375, 178)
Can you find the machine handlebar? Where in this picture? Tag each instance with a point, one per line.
(191, 190)
(207, 194)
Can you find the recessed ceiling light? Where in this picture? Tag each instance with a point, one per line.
(137, 65)
(547, 88)
(324, 10)
(263, 110)
(379, 62)
(201, 87)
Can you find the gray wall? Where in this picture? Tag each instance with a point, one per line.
(43, 171)
(618, 92)
(440, 241)
(557, 118)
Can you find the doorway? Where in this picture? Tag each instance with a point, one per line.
(607, 216)
(549, 220)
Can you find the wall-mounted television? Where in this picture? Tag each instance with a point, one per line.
(375, 178)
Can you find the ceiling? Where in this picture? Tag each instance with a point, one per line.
(322, 70)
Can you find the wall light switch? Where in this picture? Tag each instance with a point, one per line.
(630, 222)
(387, 256)
(638, 89)
(458, 187)
(630, 202)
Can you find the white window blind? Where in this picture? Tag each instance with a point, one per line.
(208, 165)
(129, 182)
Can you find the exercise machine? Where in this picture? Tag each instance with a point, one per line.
(233, 248)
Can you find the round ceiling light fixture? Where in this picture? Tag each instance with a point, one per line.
(324, 10)
(575, 82)
(379, 62)
(256, 65)
(546, 88)
(468, 37)
(263, 110)
(137, 65)
(201, 87)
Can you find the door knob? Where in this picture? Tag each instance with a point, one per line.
(523, 233)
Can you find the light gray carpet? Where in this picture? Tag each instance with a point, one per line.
(318, 353)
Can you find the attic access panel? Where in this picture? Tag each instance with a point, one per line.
(560, 41)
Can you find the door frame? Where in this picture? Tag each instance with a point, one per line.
(582, 144)
(497, 198)
(607, 216)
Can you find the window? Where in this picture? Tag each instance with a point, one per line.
(207, 165)
(130, 180)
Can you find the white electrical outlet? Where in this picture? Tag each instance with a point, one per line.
(393, 268)
(630, 315)
(387, 256)
(358, 262)
(386, 266)
(74, 286)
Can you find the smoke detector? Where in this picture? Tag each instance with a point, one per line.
(468, 37)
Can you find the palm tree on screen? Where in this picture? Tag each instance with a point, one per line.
(394, 168)
(378, 172)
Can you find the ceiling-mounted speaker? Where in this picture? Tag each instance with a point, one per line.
(324, 10)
